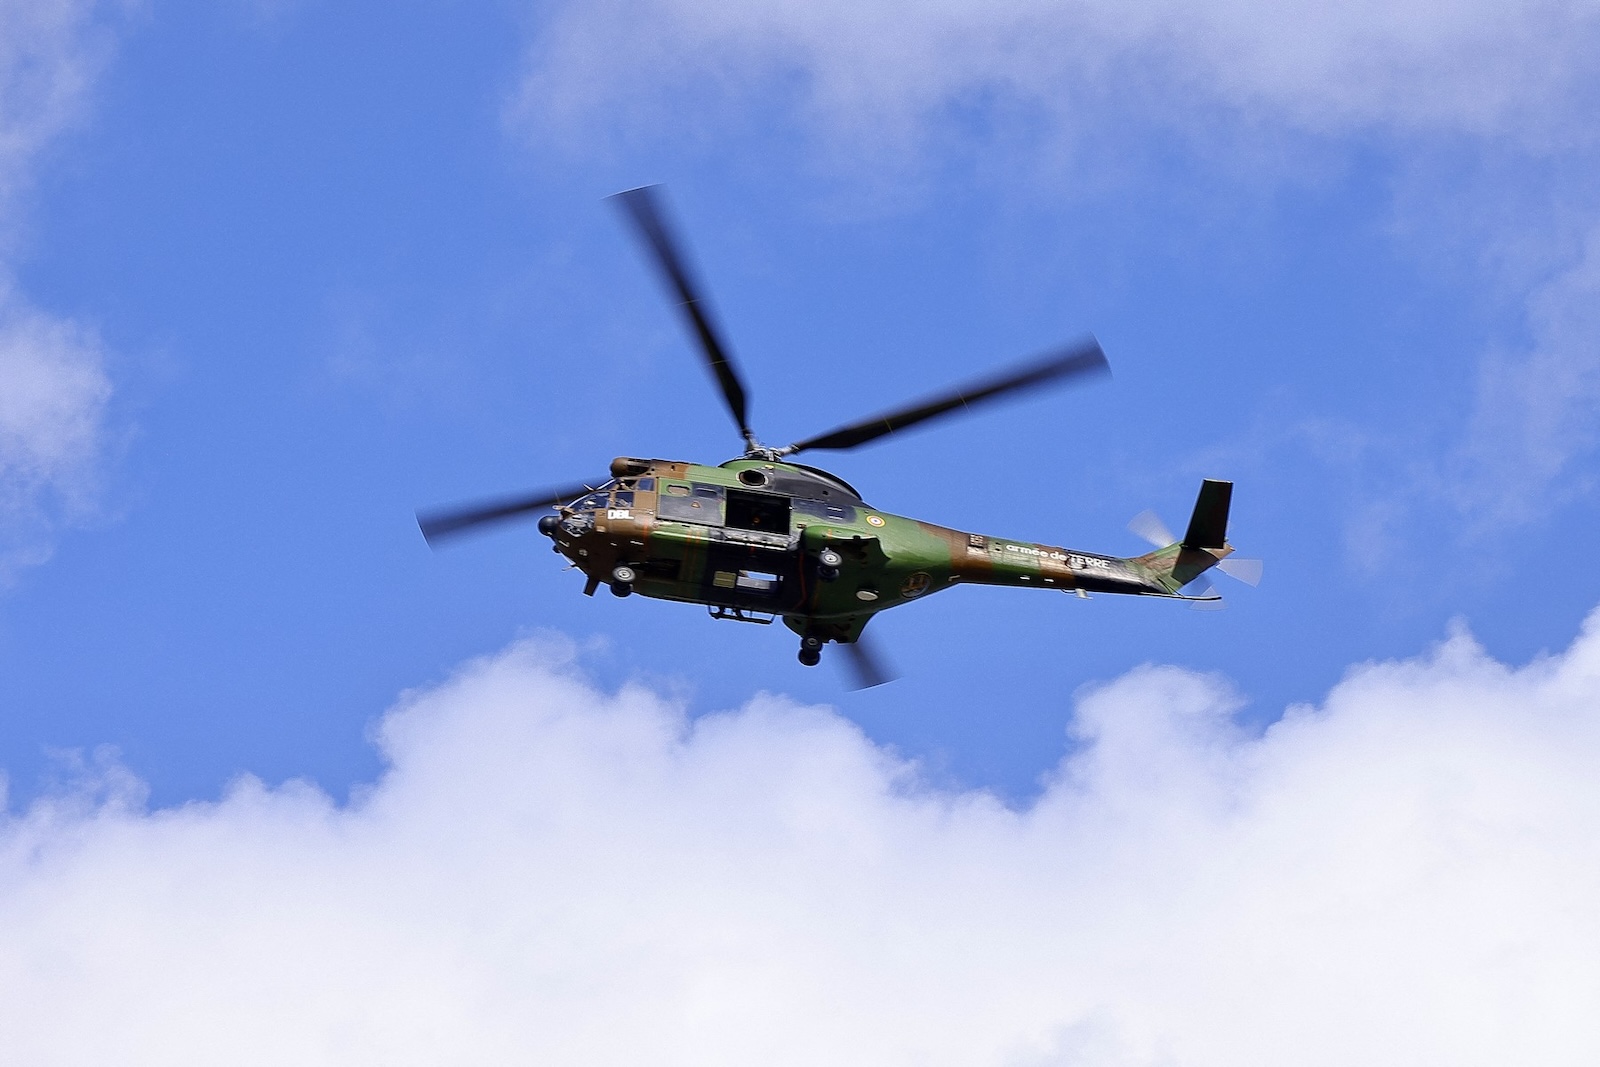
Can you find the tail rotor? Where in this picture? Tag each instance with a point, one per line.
(1206, 532)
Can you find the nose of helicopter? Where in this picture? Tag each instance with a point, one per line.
(548, 524)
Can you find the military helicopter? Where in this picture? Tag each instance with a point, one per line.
(761, 537)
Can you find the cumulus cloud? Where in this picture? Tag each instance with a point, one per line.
(53, 387)
(546, 873)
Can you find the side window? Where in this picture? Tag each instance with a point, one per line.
(821, 509)
(765, 512)
(622, 498)
(700, 504)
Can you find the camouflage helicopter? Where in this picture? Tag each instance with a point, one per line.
(762, 537)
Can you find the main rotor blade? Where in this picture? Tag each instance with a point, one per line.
(867, 664)
(1148, 525)
(438, 525)
(1080, 360)
(644, 209)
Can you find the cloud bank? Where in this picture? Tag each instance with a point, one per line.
(551, 874)
(53, 385)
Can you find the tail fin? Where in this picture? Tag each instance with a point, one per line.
(1208, 526)
(1203, 545)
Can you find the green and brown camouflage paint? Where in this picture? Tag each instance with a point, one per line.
(673, 524)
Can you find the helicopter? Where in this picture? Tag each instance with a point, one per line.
(762, 537)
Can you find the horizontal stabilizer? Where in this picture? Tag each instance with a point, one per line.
(1208, 526)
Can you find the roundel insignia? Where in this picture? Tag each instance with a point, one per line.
(915, 584)
(873, 520)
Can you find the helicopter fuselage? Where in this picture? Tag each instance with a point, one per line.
(760, 537)
(756, 539)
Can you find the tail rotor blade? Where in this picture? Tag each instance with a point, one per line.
(1241, 569)
(1206, 596)
(436, 526)
(867, 664)
(643, 207)
(1148, 525)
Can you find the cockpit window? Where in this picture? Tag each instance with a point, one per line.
(646, 485)
(622, 499)
(591, 502)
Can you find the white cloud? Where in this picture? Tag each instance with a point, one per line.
(53, 396)
(1244, 87)
(1461, 65)
(1536, 409)
(53, 387)
(48, 59)
(548, 874)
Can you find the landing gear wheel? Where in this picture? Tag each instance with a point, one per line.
(828, 563)
(811, 650)
(622, 578)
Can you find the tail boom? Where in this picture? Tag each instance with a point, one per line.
(1164, 572)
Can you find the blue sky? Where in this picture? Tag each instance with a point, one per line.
(336, 275)
(275, 274)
